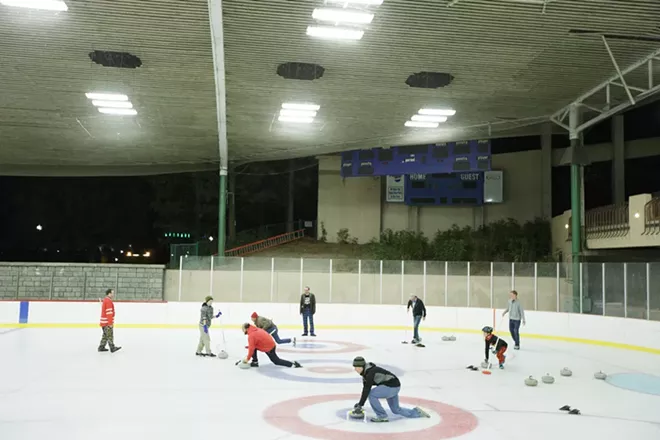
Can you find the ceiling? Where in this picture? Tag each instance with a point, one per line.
(513, 65)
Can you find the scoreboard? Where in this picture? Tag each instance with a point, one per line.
(444, 189)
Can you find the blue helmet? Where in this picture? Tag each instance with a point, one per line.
(487, 329)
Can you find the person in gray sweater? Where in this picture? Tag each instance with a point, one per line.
(516, 315)
(267, 324)
(206, 316)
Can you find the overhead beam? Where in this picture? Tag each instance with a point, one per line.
(610, 109)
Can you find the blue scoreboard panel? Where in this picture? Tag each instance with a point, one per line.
(444, 189)
(451, 157)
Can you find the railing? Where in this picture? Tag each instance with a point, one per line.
(607, 221)
(610, 289)
(652, 217)
(261, 245)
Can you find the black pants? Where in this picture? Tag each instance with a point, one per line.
(274, 358)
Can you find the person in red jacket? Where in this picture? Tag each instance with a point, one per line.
(260, 340)
(108, 322)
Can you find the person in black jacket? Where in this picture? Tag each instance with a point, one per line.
(498, 344)
(419, 313)
(307, 310)
(387, 387)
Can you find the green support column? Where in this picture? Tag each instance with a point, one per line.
(576, 230)
(222, 215)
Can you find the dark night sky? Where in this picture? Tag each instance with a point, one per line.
(81, 214)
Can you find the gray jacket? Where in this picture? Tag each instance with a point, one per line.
(206, 315)
(264, 323)
(515, 310)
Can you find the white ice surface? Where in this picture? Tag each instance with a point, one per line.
(53, 384)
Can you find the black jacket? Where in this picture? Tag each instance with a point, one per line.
(495, 341)
(419, 309)
(312, 303)
(373, 375)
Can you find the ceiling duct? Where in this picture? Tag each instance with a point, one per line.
(300, 71)
(429, 80)
(121, 60)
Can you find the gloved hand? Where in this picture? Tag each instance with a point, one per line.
(357, 407)
(219, 313)
(493, 351)
(206, 329)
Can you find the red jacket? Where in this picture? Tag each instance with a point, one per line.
(260, 340)
(107, 312)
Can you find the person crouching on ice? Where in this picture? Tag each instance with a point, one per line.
(266, 324)
(259, 340)
(498, 343)
(387, 387)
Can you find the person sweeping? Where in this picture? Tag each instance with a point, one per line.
(387, 387)
(205, 319)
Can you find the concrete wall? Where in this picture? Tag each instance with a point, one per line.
(358, 204)
(632, 334)
(80, 281)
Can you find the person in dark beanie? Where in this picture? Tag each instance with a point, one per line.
(307, 310)
(419, 313)
(206, 316)
(387, 387)
(516, 315)
(108, 322)
(259, 340)
(266, 324)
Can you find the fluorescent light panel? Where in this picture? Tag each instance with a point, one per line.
(298, 113)
(419, 124)
(437, 111)
(296, 106)
(337, 15)
(48, 5)
(296, 119)
(113, 104)
(118, 111)
(334, 33)
(107, 96)
(429, 118)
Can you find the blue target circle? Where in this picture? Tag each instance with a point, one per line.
(342, 415)
(281, 373)
(311, 345)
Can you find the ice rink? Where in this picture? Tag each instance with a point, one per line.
(54, 384)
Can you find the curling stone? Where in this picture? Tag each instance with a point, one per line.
(485, 365)
(445, 338)
(222, 354)
(600, 375)
(531, 382)
(548, 379)
(452, 338)
(244, 366)
(566, 372)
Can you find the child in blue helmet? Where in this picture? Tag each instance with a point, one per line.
(498, 344)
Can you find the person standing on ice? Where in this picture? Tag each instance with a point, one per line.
(108, 322)
(419, 313)
(516, 314)
(387, 387)
(259, 340)
(266, 324)
(498, 344)
(204, 323)
(307, 310)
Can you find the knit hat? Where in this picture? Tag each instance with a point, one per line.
(254, 315)
(208, 298)
(359, 362)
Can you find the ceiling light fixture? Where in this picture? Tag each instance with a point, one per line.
(113, 104)
(118, 111)
(429, 118)
(334, 33)
(357, 2)
(299, 113)
(337, 15)
(48, 5)
(107, 96)
(437, 112)
(296, 119)
(295, 106)
(419, 124)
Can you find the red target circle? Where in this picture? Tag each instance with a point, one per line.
(454, 421)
